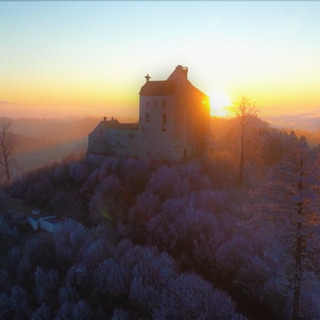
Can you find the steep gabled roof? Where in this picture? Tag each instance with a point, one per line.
(115, 124)
(158, 88)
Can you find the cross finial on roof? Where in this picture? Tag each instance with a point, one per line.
(147, 77)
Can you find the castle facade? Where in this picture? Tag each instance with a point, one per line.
(174, 123)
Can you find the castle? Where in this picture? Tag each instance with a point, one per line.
(174, 121)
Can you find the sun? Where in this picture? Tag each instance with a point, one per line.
(219, 104)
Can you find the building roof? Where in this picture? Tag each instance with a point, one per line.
(115, 124)
(159, 88)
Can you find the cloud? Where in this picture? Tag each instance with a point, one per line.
(4, 102)
(305, 121)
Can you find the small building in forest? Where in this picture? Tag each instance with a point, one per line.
(44, 221)
(174, 123)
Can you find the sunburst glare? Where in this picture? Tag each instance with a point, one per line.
(220, 104)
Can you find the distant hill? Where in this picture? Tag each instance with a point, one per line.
(43, 141)
(55, 129)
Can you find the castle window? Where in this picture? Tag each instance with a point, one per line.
(164, 122)
(147, 117)
(163, 103)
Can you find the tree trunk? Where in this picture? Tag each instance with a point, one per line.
(6, 165)
(297, 276)
(8, 173)
(7, 145)
(298, 253)
(241, 165)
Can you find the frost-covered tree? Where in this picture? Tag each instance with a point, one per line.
(79, 171)
(188, 296)
(109, 279)
(25, 258)
(46, 284)
(79, 310)
(289, 207)
(68, 293)
(119, 314)
(7, 234)
(96, 252)
(150, 276)
(106, 203)
(43, 312)
(68, 242)
(20, 304)
(82, 311)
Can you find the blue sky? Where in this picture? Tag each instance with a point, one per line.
(90, 57)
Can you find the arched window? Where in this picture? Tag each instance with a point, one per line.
(147, 117)
(164, 122)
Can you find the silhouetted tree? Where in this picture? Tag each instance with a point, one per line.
(8, 144)
(245, 112)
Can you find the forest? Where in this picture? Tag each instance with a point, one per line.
(210, 238)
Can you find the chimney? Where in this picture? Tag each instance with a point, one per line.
(183, 70)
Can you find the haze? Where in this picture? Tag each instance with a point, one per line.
(61, 59)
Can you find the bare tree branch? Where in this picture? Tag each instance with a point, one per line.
(8, 143)
(245, 111)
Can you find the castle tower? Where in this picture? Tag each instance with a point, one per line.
(173, 118)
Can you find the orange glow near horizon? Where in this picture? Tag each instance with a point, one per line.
(119, 101)
(57, 97)
(34, 98)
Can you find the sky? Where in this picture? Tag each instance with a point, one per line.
(89, 58)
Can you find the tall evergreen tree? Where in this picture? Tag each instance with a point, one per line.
(289, 206)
